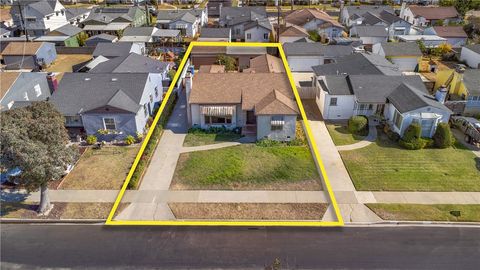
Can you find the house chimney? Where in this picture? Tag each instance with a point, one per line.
(52, 82)
(441, 94)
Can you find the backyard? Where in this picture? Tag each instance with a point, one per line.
(248, 166)
(341, 136)
(104, 168)
(430, 212)
(385, 166)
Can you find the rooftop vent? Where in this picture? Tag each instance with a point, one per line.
(114, 79)
(87, 79)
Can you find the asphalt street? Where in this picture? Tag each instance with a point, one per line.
(100, 247)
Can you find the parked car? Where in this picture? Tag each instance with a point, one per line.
(9, 176)
(469, 126)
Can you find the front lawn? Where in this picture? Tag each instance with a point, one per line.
(248, 167)
(61, 210)
(197, 139)
(104, 168)
(428, 212)
(385, 166)
(341, 136)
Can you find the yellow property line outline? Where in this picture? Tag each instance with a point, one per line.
(339, 221)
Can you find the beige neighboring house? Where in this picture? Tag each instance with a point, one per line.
(212, 69)
(294, 33)
(265, 63)
(261, 104)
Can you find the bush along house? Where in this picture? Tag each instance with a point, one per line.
(110, 106)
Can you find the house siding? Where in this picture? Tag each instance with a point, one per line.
(23, 89)
(286, 134)
(257, 34)
(470, 57)
(304, 63)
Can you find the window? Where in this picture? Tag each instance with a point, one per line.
(265, 36)
(109, 123)
(237, 31)
(156, 91)
(333, 101)
(25, 96)
(249, 36)
(31, 19)
(276, 123)
(218, 120)
(145, 110)
(38, 90)
(397, 119)
(151, 99)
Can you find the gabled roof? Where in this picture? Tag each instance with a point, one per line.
(212, 69)
(107, 14)
(215, 33)
(266, 63)
(302, 16)
(471, 80)
(360, 10)
(72, 13)
(131, 63)
(103, 36)
(450, 31)
(112, 49)
(434, 13)
(68, 30)
(139, 31)
(336, 85)
(358, 64)
(401, 49)
(276, 103)
(22, 48)
(294, 31)
(239, 15)
(316, 49)
(173, 15)
(7, 79)
(371, 31)
(407, 98)
(474, 47)
(43, 7)
(83, 92)
(264, 23)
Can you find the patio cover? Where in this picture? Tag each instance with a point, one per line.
(218, 110)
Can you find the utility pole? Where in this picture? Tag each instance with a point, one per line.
(22, 23)
(278, 20)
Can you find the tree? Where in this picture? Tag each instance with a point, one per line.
(227, 61)
(82, 37)
(443, 137)
(422, 46)
(443, 49)
(34, 139)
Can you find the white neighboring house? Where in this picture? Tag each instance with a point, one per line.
(258, 31)
(455, 35)
(394, 24)
(350, 15)
(215, 34)
(183, 20)
(294, 33)
(40, 17)
(406, 56)
(313, 19)
(424, 16)
(430, 41)
(370, 34)
(471, 55)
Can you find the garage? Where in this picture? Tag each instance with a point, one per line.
(303, 63)
(406, 63)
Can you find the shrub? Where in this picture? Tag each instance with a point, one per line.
(129, 140)
(392, 135)
(357, 124)
(91, 139)
(443, 137)
(413, 132)
(139, 136)
(267, 143)
(415, 144)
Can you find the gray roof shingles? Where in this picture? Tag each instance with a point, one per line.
(131, 63)
(316, 49)
(358, 64)
(406, 98)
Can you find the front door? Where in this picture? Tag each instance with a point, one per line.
(251, 119)
(380, 108)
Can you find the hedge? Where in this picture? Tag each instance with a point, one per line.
(357, 124)
(152, 143)
(443, 137)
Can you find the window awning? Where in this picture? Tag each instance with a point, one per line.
(277, 123)
(430, 115)
(181, 26)
(218, 110)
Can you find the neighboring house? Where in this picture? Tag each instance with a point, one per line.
(471, 55)
(6, 18)
(214, 7)
(21, 87)
(215, 34)
(265, 63)
(66, 35)
(463, 88)
(77, 15)
(406, 56)
(120, 103)
(112, 21)
(5, 33)
(370, 34)
(112, 50)
(400, 99)
(313, 19)
(200, 56)
(425, 16)
(144, 34)
(28, 55)
(302, 56)
(247, 23)
(455, 35)
(39, 17)
(395, 25)
(261, 104)
(430, 41)
(293, 33)
(358, 64)
(188, 21)
(93, 41)
(133, 63)
(168, 35)
(351, 15)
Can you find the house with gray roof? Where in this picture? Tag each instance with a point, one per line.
(406, 56)
(101, 38)
(77, 15)
(395, 25)
(247, 23)
(400, 99)
(118, 103)
(39, 17)
(215, 34)
(351, 15)
(66, 35)
(471, 55)
(358, 64)
(369, 34)
(113, 21)
(23, 87)
(144, 34)
(188, 21)
(112, 50)
(302, 56)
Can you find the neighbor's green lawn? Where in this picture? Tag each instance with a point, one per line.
(429, 212)
(341, 136)
(193, 139)
(245, 165)
(104, 168)
(385, 166)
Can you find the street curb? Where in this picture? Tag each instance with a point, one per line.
(50, 221)
(412, 223)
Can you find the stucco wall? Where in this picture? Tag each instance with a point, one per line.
(125, 122)
(24, 89)
(257, 34)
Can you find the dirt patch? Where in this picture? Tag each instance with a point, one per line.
(249, 211)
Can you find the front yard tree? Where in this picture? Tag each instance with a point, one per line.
(34, 139)
(227, 61)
